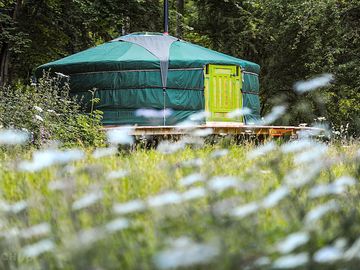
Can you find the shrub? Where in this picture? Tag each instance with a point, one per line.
(48, 112)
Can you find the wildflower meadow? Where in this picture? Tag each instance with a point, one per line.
(184, 204)
(179, 134)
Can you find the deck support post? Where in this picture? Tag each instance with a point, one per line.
(164, 109)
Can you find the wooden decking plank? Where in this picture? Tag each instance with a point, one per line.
(219, 128)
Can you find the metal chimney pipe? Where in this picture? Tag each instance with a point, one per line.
(166, 17)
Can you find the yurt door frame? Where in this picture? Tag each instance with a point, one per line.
(223, 84)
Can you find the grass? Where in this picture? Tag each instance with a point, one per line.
(226, 224)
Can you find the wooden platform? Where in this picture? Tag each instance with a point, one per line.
(221, 128)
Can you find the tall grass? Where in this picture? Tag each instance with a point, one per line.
(292, 205)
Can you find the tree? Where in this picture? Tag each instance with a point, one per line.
(292, 40)
(11, 40)
(36, 32)
(309, 38)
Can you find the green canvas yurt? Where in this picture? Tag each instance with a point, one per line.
(158, 71)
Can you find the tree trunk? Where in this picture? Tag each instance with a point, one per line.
(180, 7)
(5, 50)
(4, 64)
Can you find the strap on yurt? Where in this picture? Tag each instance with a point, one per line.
(159, 46)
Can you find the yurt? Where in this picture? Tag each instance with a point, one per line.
(158, 71)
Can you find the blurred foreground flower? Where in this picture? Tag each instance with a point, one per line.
(192, 179)
(245, 210)
(291, 261)
(13, 208)
(117, 174)
(315, 153)
(262, 150)
(41, 229)
(353, 252)
(202, 132)
(193, 121)
(38, 248)
(167, 147)
(87, 200)
(275, 197)
(222, 183)
(192, 163)
(193, 194)
(46, 158)
(292, 241)
(104, 152)
(184, 253)
(117, 225)
(151, 113)
(165, 199)
(275, 114)
(319, 211)
(129, 207)
(219, 153)
(297, 146)
(13, 136)
(199, 117)
(120, 135)
(337, 187)
(239, 113)
(328, 255)
(312, 84)
(300, 177)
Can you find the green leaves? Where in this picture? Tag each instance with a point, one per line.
(291, 40)
(49, 113)
(44, 31)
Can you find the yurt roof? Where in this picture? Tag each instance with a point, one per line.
(144, 51)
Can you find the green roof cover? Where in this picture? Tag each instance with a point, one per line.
(120, 55)
(130, 73)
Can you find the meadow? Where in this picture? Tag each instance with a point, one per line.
(73, 197)
(185, 204)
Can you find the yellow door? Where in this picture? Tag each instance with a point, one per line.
(222, 91)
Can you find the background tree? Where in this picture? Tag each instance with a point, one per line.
(36, 32)
(292, 40)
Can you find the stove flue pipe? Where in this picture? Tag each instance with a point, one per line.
(166, 17)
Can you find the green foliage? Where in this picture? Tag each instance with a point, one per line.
(49, 113)
(309, 38)
(54, 29)
(291, 40)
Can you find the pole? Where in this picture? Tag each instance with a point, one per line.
(164, 97)
(166, 17)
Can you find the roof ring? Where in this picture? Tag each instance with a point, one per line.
(147, 33)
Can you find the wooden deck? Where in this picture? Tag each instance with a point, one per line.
(221, 128)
